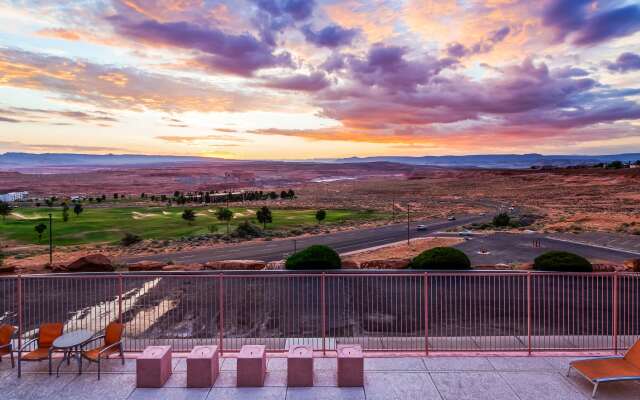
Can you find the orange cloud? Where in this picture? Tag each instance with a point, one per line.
(120, 88)
(376, 23)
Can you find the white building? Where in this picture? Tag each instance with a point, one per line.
(14, 196)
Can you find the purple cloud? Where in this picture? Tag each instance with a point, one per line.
(299, 82)
(236, 54)
(458, 50)
(330, 36)
(275, 15)
(386, 67)
(296, 9)
(568, 17)
(625, 62)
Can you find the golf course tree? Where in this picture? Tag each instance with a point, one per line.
(321, 215)
(224, 214)
(501, 220)
(561, 261)
(314, 257)
(189, 215)
(40, 228)
(264, 216)
(130, 239)
(65, 212)
(5, 210)
(78, 209)
(441, 258)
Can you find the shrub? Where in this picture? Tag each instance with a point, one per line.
(441, 258)
(130, 239)
(314, 257)
(561, 261)
(501, 219)
(247, 230)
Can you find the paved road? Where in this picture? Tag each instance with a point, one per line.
(516, 248)
(342, 242)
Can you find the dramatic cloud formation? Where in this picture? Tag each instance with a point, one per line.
(591, 22)
(357, 77)
(238, 54)
(329, 36)
(625, 62)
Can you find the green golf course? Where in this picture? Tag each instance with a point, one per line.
(109, 224)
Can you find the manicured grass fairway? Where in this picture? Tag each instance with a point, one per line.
(107, 225)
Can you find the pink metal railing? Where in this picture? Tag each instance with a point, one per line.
(414, 312)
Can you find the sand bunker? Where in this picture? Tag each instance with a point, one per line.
(25, 217)
(137, 215)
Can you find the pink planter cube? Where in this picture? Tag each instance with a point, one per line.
(203, 366)
(153, 367)
(252, 366)
(300, 366)
(350, 365)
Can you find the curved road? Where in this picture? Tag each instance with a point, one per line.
(342, 242)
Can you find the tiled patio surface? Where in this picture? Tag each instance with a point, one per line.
(415, 378)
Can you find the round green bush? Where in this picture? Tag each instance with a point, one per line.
(314, 257)
(561, 261)
(441, 258)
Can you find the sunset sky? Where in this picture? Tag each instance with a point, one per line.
(293, 79)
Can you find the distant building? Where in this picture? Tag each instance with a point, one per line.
(14, 196)
(634, 166)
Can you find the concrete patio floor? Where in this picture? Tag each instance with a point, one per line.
(441, 378)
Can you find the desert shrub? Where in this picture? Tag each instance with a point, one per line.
(247, 230)
(561, 261)
(501, 219)
(130, 239)
(441, 258)
(314, 257)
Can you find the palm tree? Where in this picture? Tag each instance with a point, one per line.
(224, 214)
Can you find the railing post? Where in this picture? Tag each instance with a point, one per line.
(20, 310)
(426, 313)
(615, 312)
(324, 314)
(529, 312)
(221, 312)
(120, 291)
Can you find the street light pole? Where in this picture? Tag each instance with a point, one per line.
(50, 240)
(408, 226)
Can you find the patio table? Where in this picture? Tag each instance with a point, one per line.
(71, 343)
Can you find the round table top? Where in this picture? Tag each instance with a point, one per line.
(72, 339)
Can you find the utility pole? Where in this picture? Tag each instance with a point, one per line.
(50, 240)
(393, 207)
(408, 226)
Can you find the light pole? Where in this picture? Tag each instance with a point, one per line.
(50, 240)
(408, 226)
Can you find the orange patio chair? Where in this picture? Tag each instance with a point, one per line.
(6, 347)
(610, 369)
(46, 335)
(112, 344)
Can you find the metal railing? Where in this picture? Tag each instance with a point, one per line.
(413, 312)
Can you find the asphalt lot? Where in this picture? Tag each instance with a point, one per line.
(516, 248)
(342, 242)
